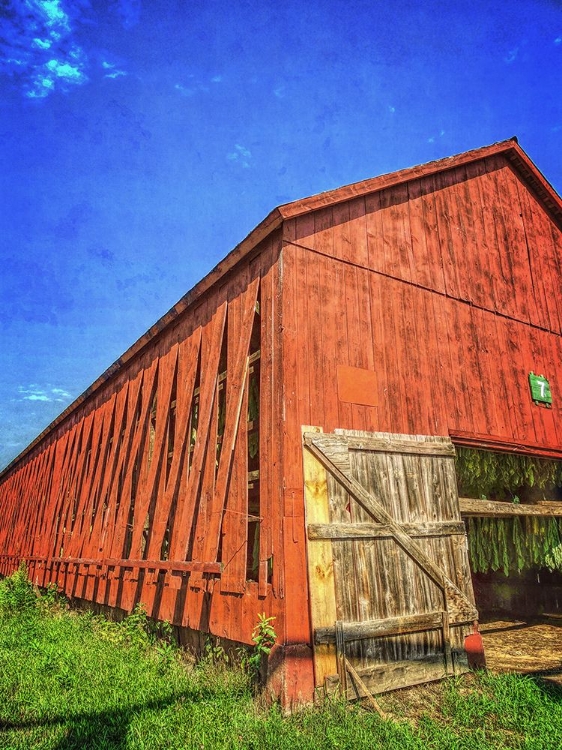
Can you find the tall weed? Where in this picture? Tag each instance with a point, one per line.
(17, 595)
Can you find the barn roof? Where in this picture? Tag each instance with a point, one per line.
(510, 148)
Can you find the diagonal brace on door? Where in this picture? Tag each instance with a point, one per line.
(336, 461)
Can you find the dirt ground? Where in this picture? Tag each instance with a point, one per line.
(529, 647)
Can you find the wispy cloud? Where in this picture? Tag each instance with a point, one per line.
(433, 138)
(511, 55)
(39, 46)
(35, 392)
(185, 90)
(558, 40)
(240, 155)
(193, 86)
(112, 70)
(38, 49)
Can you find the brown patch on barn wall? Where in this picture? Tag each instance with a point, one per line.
(357, 385)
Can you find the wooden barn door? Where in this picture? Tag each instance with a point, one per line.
(390, 588)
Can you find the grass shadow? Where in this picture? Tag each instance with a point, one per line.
(105, 730)
(549, 681)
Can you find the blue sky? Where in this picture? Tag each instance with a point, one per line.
(141, 140)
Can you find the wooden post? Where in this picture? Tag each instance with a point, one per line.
(322, 594)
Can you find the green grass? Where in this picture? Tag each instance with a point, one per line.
(70, 680)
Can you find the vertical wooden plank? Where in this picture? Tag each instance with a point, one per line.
(322, 595)
(549, 264)
(395, 363)
(188, 354)
(341, 231)
(534, 253)
(375, 237)
(453, 321)
(211, 348)
(102, 519)
(358, 253)
(117, 502)
(432, 239)
(482, 324)
(236, 386)
(442, 182)
(235, 522)
(422, 272)
(88, 547)
(269, 427)
(376, 283)
(555, 246)
(336, 338)
(314, 336)
(158, 455)
(507, 181)
(139, 415)
(410, 362)
(540, 362)
(518, 358)
(396, 233)
(500, 261)
(355, 346)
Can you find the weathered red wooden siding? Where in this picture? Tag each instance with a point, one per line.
(448, 288)
(110, 479)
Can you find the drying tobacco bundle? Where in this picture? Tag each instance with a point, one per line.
(502, 476)
(514, 544)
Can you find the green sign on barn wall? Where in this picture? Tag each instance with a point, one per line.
(540, 389)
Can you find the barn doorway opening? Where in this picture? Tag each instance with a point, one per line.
(512, 508)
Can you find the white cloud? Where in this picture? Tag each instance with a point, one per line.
(241, 155)
(35, 392)
(60, 392)
(279, 92)
(42, 50)
(433, 138)
(391, 108)
(558, 40)
(216, 79)
(511, 55)
(112, 70)
(185, 90)
(42, 43)
(54, 14)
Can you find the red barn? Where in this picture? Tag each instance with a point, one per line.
(282, 440)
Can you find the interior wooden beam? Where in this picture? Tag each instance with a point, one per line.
(491, 508)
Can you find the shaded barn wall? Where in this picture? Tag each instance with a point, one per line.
(118, 478)
(447, 289)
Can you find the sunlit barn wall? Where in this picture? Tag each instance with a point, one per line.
(116, 480)
(445, 288)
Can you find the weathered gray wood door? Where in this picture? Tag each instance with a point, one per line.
(390, 588)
